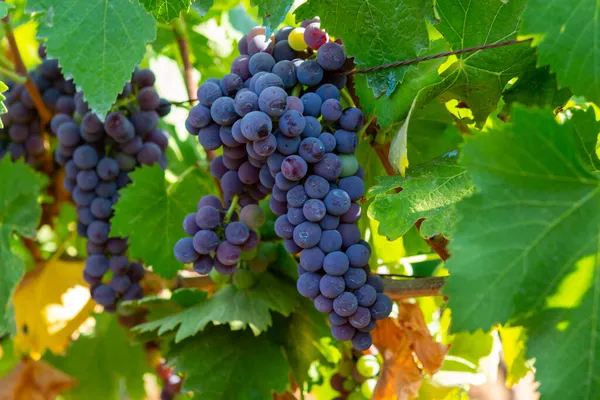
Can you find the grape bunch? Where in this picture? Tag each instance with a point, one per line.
(356, 377)
(98, 157)
(279, 119)
(218, 239)
(22, 135)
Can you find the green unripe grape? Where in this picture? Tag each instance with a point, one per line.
(217, 277)
(368, 365)
(349, 164)
(345, 368)
(249, 255)
(258, 266)
(349, 385)
(243, 279)
(355, 396)
(368, 387)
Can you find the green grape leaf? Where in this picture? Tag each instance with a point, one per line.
(151, 208)
(106, 364)
(467, 349)
(166, 11)
(587, 139)
(97, 42)
(390, 30)
(536, 87)
(429, 191)
(568, 33)
(300, 336)
(221, 364)
(272, 12)
(159, 307)
(231, 305)
(3, 13)
(479, 78)
(514, 351)
(20, 213)
(535, 199)
(3, 88)
(202, 6)
(390, 110)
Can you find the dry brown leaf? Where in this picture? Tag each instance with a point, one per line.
(404, 343)
(34, 380)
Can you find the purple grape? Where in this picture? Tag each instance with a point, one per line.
(292, 123)
(331, 56)
(328, 141)
(312, 104)
(323, 304)
(98, 231)
(331, 110)
(331, 286)
(104, 295)
(294, 168)
(118, 127)
(328, 91)
(309, 73)
(283, 228)
(208, 217)
(265, 81)
(231, 183)
(331, 241)
(205, 241)
(337, 202)
(144, 78)
(149, 154)
(96, 265)
(245, 102)
(337, 320)
(343, 332)
(266, 146)
(237, 233)
(312, 259)
(189, 224)
(382, 307)
(345, 304)
(308, 285)
(283, 183)
(316, 187)
(287, 72)
(311, 150)
(199, 116)
(314, 210)
(147, 98)
(351, 119)
(350, 234)
(223, 111)
(230, 84)
(346, 142)
(362, 341)
(261, 62)
(329, 222)
(101, 208)
(107, 169)
(210, 200)
(330, 167)
(87, 180)
(228, 253)
(294, 103)
(282, 52)
(256, 125)
(208, 92)
(120, 283)
(240, 66)
(365, 295)
(296, 196)
(355, 278)
(203, 265)
(307, 234)
(287, 146)
(358, 255)
(336, 263)
(376, 282)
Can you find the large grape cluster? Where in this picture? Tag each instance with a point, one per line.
(22, 136)
(98, 157)
(284, 132)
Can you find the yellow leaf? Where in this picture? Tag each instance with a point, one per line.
(51, 302)
(34, 380)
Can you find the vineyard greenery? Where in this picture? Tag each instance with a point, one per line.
(310, 199)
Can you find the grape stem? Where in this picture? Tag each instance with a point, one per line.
(232, 208)
(296, 90)
(346, 96)
(11, 75)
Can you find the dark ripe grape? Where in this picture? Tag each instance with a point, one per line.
(307, 234)
(362, 341)
(261, 62)
(203, 265)
(81, 229)
(243, 45)
(252, 241)
(118, 127)
(287, 146)
(265, 177)
(210, 200)
(376, 282)
(85, 216)
(253, 155)
(265, 81)
(350, 234)
(365, 295)
(316, 187)
(345, 304)
(208, 93)
(184, 251)
(107, 169)
(294, 103)
(278, 207)
(92, 129)
(337, 383)
(217, 168)
(133, 293)
(314, 36)
(136, 272)
(164, 108)
(224, 269)
(104, 295)
(337, 202)
(19, 114)
(311, 149)
(251, 83)
(308, 285)
(354, 186)
(292, 123)
(240, 66)
(90, 280)
(149, 154)
(259, 44)
(331, 286)
(144, 78)
(230, 84)
(209, 138)
(208, 217)
(253, 216)
(50, 98)
(312, 259)
(199, 116)
(248, 174)
(295, 216)
(158, 137)
(228, 253)
(346, 142)
(328, 141)
(314, 210)
(283, 228)
(18, 133)
(331, 241)
(96, 265)
(272, 101)
(97, 232)
(328, 91)
(358, 255)
(109, 189)
(283, 33)
(336, 320)
(294, 168)
(87, 180)
(58, 120)
(312, 104)
(85, 157)
(331, 110)
(245, 102)
(296, 196)
(335, 263)
(223, 111)
(309, 73)
(283, 52)
(189, 224)
(65, 105)
(323, 304)
(236, 153)
(237, 233)
(355, 278)
(213, 80)
(274, 160)
(266, 146)
(205, 241)
(307, 22)
(116, 246)
(352, 215)
(191, 130)
(351, 119)
(256, 125)
(279, 194)
(382, 307)
(101, 208)
(81, 105)
(331, 56)
(226, 135)
(300, 270)
(231, 183)
(126, 162)
(287, 72)
(68, 134)
(343, 332)
(330, 167)
(231, 163)
(257, 30)
(120, 283)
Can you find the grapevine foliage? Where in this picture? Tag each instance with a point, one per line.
(216, 199)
